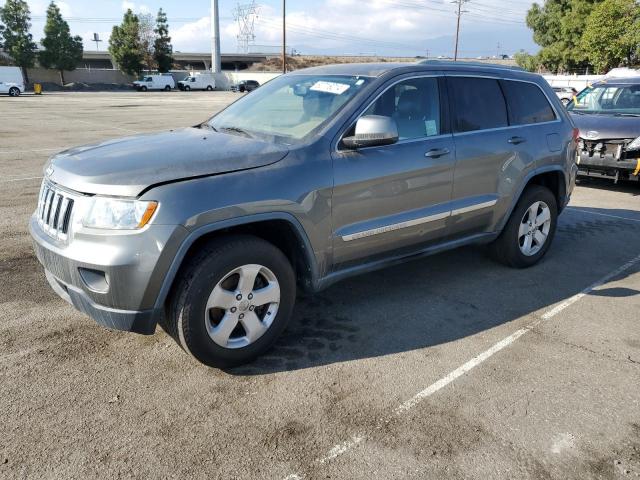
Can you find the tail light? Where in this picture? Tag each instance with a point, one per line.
(576, 135)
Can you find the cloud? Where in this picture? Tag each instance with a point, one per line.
(39, 7)
(356, 27)
(134, 7)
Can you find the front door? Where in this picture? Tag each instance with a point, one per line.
(396, 196)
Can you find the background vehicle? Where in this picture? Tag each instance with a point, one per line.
(200, 81)
(155, 82)
(11, 81)
(318, 175)
(245, 86)
(565, 94)
(607, 114)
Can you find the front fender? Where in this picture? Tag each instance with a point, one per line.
(203, 230)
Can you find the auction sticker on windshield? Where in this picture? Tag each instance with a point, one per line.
(330, 87)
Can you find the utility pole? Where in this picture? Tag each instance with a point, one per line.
(216, 64)
(284, 36)
(459, 13)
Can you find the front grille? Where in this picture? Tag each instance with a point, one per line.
(54, 210)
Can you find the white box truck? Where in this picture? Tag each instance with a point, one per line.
(198, 81)
(11, 81)
(162, 81)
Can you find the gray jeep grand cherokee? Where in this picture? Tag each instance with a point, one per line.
(316, 176)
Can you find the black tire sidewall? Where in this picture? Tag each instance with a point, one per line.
(14, 92)
(192, 302)
(187, 88)
(508, 243)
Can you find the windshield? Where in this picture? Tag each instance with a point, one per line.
(290, 107)
(608, 99)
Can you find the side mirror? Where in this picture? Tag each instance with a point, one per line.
(373, 131)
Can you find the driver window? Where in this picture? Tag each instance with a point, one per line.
(415, 106)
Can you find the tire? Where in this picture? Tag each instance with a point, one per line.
(195, 323)
(209, 88)
(510, 247)
(167, 88)
(14, 92)
(187, 88)
(143, 89)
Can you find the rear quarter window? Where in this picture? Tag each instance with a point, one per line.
(527, 103)
(479, 104)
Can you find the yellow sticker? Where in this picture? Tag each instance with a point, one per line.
(637, 168)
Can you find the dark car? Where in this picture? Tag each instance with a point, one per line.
(319, 175)
(607, 114)
(245, 86)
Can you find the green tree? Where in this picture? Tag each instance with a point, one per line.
(529, 62)
(17, 41)
(557, 27)
(125, 46)
(60, 51)
(612, 34)
(163, 51)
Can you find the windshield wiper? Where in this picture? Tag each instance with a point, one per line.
(626, 115)
(206, 125)
(236, 130)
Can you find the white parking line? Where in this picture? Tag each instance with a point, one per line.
(574, 209)
(344, 447)
(20, 179)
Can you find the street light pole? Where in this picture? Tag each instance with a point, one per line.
(216, 63)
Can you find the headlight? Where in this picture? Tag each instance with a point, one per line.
(117, 214)
(635, 145)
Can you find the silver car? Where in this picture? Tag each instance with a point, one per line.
(318, 175)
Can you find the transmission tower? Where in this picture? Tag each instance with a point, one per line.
(246, 14)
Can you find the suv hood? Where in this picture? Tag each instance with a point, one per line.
(127, 166)
(606, 127)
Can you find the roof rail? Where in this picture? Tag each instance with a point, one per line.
(450, 63)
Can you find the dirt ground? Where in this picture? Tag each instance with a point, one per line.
(451, 367)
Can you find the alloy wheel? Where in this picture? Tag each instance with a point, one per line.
(534, 228)
(242, 306)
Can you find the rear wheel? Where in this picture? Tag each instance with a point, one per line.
(530, 229)
(209, 88)
(14, 92)
(167, 88)
(232, 301)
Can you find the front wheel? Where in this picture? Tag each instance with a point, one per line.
(232, 301)
(14, 92)
(530, 230)
(143, 88)
(187, 88)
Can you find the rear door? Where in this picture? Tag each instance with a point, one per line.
(396, 196)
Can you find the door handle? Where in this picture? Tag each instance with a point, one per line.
(517, 140)
(437, 153)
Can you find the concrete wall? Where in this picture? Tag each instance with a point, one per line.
(93, 76)
(42, 75)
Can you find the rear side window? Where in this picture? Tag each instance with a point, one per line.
(479, 103)
(527, 103)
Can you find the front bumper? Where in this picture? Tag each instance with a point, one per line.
(115, 279)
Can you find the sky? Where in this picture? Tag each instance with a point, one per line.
(345, 27)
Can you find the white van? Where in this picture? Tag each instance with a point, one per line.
(198, 81)
(11, 81)
(162, 81)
